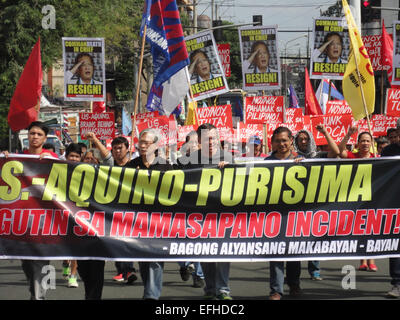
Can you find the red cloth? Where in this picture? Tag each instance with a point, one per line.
(352, 155)
(312, 106)
(25, 103)
(55, 155)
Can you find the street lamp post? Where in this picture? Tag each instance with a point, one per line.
(286, 64)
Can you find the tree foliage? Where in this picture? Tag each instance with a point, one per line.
(118, 21)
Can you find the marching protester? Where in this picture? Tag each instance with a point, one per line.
(37, 135)
(282, 146)
(254, 148)
(393, 149)
(216, 274)
(305, 146)
(119, 156)
(188, 268)
(364, 145)
(151, 272)
(70, 267)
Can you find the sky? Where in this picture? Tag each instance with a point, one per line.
(287, 14)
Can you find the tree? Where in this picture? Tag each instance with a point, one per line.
(118, 21)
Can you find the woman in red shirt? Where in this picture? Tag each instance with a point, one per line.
(364, 144)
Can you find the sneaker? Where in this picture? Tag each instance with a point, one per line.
(131, 277)
(72, 282)
(395, 292)
(224, 296)
(198, 282)
(363, 267)
(209, 296)
(372, 267)
(316, 278)
(294, 291)
(186, 272)
(275, 296)
(66, 272)
(119, 277)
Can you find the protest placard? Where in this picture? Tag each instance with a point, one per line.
(220, 117)
(165, 126)
(393, 102)
(224, 52)
(84, 69)
(263, 109)
(331, 48)
(101, 124)
(207, 77)
(261, 68)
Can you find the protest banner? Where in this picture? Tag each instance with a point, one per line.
(336, 125)
(293, 115)
(220, 117)
(146, 115)
(247, 130)
(392, 105)
(261, 67)
(373, 44)
(263, 109)
(381, 123)
(101, 124)
(84, 69)
(183, 131)
(224, 52)
(165, 126)
(337, 107)
(331, 48)
(317, 210)
(207, 78)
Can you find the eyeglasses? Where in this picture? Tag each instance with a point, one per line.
(147, 143)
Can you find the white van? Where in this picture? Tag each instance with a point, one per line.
(53, 139)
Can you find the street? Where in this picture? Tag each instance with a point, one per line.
(248, 281)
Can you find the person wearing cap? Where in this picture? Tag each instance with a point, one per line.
(254, 146)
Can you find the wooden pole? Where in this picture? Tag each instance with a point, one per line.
(365, 104)
(138, 89)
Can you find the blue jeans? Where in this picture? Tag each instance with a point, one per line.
(198, 271)
(314, 269)
(277, 277)
(394, 270)
(152, 277)
(216, 277)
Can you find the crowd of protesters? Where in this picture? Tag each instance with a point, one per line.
(202, 148)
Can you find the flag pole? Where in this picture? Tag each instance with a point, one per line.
(138, 89)
(364, 104)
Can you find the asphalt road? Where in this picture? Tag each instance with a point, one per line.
(248, 281)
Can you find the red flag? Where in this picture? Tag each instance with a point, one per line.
(312, 106)
(25, 103)
(387, 52)
(99, 107)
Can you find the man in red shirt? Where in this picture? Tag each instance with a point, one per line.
(37, 135)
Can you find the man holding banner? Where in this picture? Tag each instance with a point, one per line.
(216, 274)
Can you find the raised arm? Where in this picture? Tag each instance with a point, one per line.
(98, 145)
(343, 143)
(333, 147)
